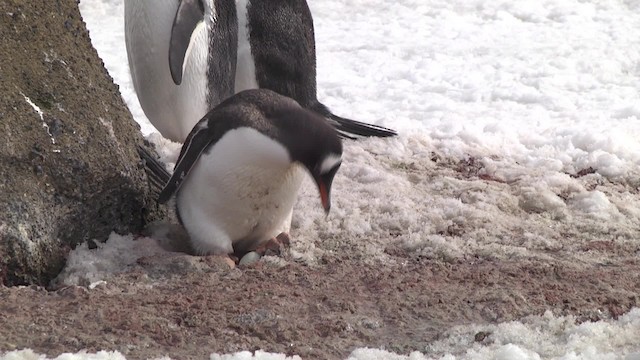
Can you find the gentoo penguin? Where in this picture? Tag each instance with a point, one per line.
(276, 51)
(182, 57)
(240, 169)
(183, 53)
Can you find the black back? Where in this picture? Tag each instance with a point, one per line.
(283, 47)
(306, 135)
(223, 52)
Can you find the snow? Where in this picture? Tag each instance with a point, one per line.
(89, 266)
(37, 109)
(519, 121)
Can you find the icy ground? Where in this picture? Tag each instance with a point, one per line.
(519, 124)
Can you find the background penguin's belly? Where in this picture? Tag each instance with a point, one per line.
(172, 109)
(245, 66)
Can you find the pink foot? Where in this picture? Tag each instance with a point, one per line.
(275, 246)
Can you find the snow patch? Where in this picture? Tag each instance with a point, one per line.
(41, 115)
(90, 266)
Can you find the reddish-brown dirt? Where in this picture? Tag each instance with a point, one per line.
(188, 307)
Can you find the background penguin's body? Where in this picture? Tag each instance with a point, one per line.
(276, 51)
(241, 167)
(182, 57)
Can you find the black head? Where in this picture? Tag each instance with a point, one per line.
(315, 144)
(311, 141)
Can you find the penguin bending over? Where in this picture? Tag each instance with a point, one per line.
(240, 170)
(276, 51)
(182, 58)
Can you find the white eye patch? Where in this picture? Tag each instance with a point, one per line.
(330, 162)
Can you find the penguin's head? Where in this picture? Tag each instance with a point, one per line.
(321, 154)
(315, 144)
(307, 136)
(323, 173)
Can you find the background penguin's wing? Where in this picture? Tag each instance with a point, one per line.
(189, 15)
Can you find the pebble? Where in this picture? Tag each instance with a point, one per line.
(249, 258)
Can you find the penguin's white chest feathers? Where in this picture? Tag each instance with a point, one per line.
(241, 191)
(245, 65)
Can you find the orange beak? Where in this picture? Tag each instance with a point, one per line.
(324, 196)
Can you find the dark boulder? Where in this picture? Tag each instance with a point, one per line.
(69, 169)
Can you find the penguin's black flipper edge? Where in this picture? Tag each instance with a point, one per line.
(195, 144)
(190, 13)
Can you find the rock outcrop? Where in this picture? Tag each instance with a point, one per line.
(69, 169)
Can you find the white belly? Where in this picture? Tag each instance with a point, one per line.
(245, 66)
(172, 109)
(243, 191)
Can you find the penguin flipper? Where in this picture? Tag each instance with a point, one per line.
(196, 143)
(188, 17)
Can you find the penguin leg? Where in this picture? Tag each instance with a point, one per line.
(170, 237)
(284, 239)
(275, 246)
(175, 239)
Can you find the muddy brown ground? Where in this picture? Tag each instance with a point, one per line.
(188, 307)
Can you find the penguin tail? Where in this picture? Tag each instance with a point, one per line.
(348, 127)
(352, 129)
(156, 172)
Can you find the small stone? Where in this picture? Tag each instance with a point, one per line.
(481, 336)
(249, 258)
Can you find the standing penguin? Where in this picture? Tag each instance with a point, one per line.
(276, 51)
(183, 53)
(182, 57)
(240, 169)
